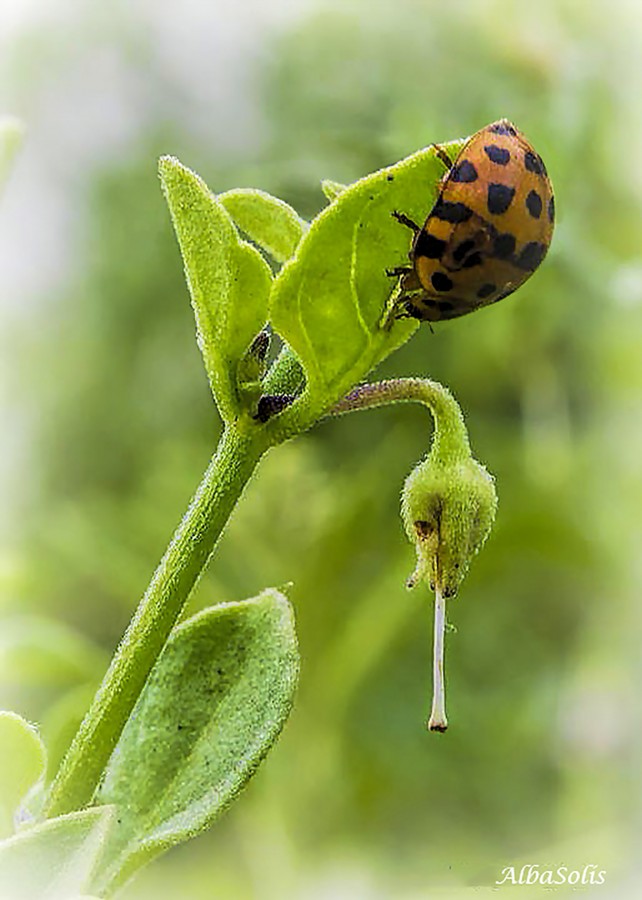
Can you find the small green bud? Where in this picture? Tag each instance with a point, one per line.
(448, 508)
(448, 505)
(251, 369)
(448, 511)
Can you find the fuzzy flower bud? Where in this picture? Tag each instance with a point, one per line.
(448, 511)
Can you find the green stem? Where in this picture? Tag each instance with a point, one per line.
(450, 441)
(237, 455)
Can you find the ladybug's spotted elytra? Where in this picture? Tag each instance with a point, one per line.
(488, 231)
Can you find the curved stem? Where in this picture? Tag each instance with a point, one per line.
(450, 441)
(189, 551)
(438, 720)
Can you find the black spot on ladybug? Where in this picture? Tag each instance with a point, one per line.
(500, 197)
(502, 127)
(504, 245)
(531, 256)
(473, 259)
(451, 212)
(497, 155)
(534, 163)
(463, 171)
(462, 250)
(534, 204)
(441, 282)
(428, 245)
(551, 209)
(486, 290)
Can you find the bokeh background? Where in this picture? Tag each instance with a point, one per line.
(107, 424)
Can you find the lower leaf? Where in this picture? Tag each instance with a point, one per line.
(54, 860)
(212, 708)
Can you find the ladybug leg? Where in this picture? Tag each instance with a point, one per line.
(410, 311)
(403, 219)
(398, 271)
(441, 154)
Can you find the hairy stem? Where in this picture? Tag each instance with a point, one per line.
(450, 441)
(189, 551)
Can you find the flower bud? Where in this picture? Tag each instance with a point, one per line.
(251, 369)
(448, 509)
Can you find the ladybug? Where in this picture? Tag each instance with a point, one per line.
(488, 231)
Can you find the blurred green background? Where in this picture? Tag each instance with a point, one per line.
(107, 424)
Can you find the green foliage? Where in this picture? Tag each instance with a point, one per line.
(332, 189)
(56, 859)
(22, 764)
(213, 706)
(329, 301)
(548, 379)
(228, 280)
(268, 221)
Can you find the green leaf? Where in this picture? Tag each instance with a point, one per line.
(54, 860)
(268, 221)
(22, 763)
(332, 189)
(37, 651)
(329, 300)
(11, 133)
(60, 722)
(213, 706)
(228, 279)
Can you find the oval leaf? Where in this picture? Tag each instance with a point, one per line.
(213, 706)
(268, 221)
(54, 860)
(328, 302)
(22, 763)
(228, 279)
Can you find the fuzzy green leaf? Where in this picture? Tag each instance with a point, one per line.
(213, 706)
(332, 189)
(268, 221)
(54, 860)
(11, 132)
(22, 763)
(328, 301)
(228, 279)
